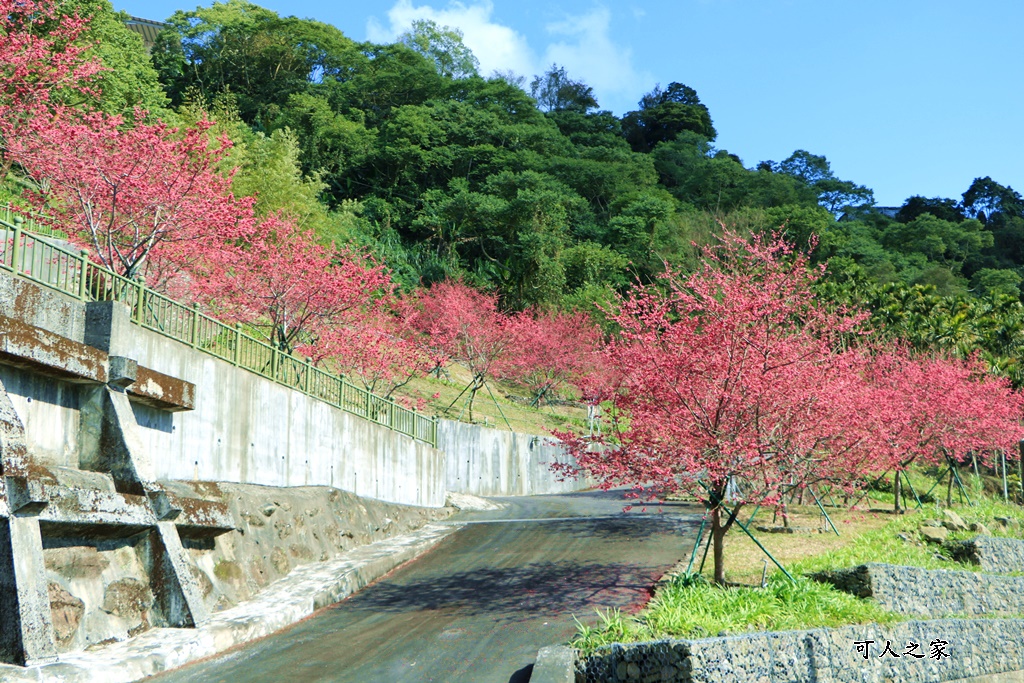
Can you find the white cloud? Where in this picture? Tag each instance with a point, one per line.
(588, 53)
(580, 43)
(498, 47)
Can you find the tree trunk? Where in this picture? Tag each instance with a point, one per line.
(949, 488)
(897, 489)
(718, 538)
(472, 395)
(1020, 470)
(478, 384)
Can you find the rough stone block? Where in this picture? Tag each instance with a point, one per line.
(555, 664)
(66, 612)
(934, 534)
(953, 521)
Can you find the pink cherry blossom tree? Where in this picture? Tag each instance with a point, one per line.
(730, 386)
(141, 197)
(465, 326)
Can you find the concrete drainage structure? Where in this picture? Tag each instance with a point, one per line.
(112, 505)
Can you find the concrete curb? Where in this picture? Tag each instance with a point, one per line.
(284, 602)
(555, 664)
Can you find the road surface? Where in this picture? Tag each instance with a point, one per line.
(478, 606)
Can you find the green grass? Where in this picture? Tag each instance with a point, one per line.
(881, 545)
(693, 607)
(698, 609)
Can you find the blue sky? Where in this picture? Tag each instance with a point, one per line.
(904, 96)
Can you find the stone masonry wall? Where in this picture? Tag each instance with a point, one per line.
(99, 590)
(930, 592)
(974, 648)
(991, 553)
(280, 529)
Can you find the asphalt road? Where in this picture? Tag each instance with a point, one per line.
(478, 606)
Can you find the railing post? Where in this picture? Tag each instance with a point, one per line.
(140, 302)
(238, 344)
(16, 251)
(308, 372)
(83, 289)
(195, 325)
(274, 361)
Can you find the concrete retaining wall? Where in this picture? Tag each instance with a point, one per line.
(491, 462)
(247, 429)
(52, 407)
(244, 428)
(976, 648)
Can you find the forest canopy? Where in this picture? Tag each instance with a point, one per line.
(523, 187)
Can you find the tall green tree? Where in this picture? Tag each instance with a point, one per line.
(664, 114)
(260, 57)
(834, 194)
(129, 80)
(443, 46)
(555, 91)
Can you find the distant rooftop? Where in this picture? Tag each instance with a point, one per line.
(147, 29)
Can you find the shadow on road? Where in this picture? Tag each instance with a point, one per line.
(625, 528)
(523, 675)
(511, 592)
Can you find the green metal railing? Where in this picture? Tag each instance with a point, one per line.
(8, 214)
(51, 266)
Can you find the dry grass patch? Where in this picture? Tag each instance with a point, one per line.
(744, 561)
(510, 400)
